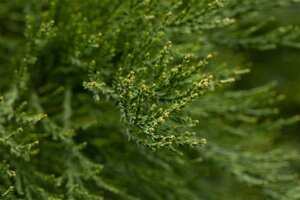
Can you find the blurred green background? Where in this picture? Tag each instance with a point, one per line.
(283, 66)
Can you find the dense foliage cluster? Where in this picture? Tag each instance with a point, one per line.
(132, 99)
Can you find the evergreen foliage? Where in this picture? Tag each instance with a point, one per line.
(132, 99)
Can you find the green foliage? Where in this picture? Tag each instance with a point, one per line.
(132, 99)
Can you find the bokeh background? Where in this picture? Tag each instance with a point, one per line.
(283, 66)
